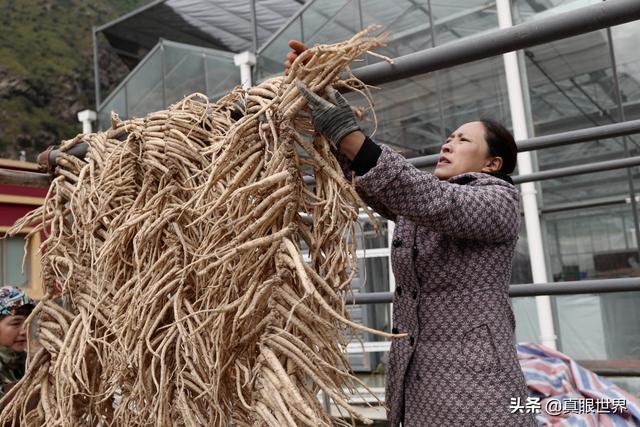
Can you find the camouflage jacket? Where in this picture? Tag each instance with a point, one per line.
(11, 367)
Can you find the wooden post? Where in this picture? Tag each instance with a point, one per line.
(24, 179)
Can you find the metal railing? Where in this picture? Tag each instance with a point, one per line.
(32, 179)
(630, 284)
(560, 26)
(613, 130)
(529, 290)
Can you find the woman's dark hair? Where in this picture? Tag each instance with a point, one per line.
(24, 310)
(501, 144)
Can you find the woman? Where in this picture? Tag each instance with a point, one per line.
(455, 235)
(15, 307)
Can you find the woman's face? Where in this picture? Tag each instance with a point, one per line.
(12, 333)
(466, 150)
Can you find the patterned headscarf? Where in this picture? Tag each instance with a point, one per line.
(11, 299)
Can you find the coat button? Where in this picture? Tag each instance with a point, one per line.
(399, 290)
(395, 330)
(397, 243)
(411, 340)
(415, 294)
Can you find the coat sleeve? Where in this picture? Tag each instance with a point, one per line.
(372, 202)
(487, 210)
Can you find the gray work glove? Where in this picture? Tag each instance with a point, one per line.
(333, 120)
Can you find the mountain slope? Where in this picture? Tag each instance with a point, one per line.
(46, 68)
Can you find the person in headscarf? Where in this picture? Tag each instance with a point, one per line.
(15, 307)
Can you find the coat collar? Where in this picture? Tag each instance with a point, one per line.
(469, 177)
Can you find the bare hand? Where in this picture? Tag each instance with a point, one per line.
(298, 47)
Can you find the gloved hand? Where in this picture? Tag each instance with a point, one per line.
(333, 120)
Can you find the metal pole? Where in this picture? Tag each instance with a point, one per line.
(164, 72)
(436, 75)
(606, 201)
(254, 23)
(578, 170)
(560, 26)
(126, 102)
(632, 191)
(86, 117)
(391, 226)
(205, 70)
(538, 176)
(580, 135)
(528, 190)
(96, 68)
(628, 284)
(561, 172)
(555, 140)
(245, 61)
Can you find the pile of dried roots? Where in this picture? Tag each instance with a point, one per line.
(175, 250)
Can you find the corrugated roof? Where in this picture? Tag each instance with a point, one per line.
(219, 24)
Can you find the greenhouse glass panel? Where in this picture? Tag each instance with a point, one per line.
(339, 25)
(170, 72)
(625, 44)
(526, 315)
(595, 243)
(317, 16)
(454, 20)
(406, 21)
(184, 73)
(144, 87)
(571, 83)
(222, 76)
(271, 58)
(607, 186)
(525, 10)
(117, 102)
(408, 111)
(599, 327)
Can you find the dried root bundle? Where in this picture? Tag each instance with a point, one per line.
(175, 250)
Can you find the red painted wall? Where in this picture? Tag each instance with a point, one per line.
(11, 213)
(14, 190)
